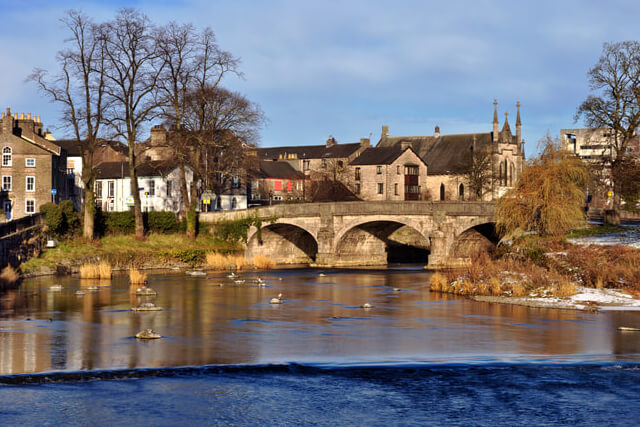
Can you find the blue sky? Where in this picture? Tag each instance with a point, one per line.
(345, 68)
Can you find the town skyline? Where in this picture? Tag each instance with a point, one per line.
(347, 69)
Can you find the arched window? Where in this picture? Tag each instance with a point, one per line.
(506, 169)
(7, 156)
(511, 168)
(500, 177)
(461, 192)
(234, 203)
(441, 191)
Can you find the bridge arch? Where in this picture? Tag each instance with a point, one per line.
(284, 243)
(480, 237)
(380, 241)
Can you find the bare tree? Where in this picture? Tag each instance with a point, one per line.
(132, 71)
(334, 181)
(221, 126)
(192, 63)
(478, 172)
(80, 88)
(615, 104)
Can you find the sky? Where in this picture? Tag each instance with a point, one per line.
(345, 68)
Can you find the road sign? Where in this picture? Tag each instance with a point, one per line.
(54, 191)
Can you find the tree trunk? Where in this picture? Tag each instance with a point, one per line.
(88, 204)
(135, 193)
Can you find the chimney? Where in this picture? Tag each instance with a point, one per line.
(385, 132)
(331, 142)
(7, 122)
(405, 144)
(158, 135)
(365, 142)
(49, 136)
(27, 126)
(436, 133)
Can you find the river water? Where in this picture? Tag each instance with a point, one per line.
(229, 357)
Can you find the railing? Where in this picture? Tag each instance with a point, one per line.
(21, 224)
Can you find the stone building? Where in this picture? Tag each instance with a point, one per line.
(33, 169)
(449, 156)
(388, 173)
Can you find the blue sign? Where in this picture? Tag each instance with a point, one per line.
(54, 191)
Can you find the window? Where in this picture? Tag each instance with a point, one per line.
(379, 170)
(31, 184)
(30, 206)
(398, 170)
(412, 189)
(71, 164)
(30, 162)
(411, 170)
(357, 174)
(306, 165)
(324, 163)
(7, 156)
(461, 192)
(169, 185)
(340, 165)
(380, 188)
(357, 190)
(442, 192)
(6, 183)
(111, 188)
(234, 203)
(97, 189)
(152, 187)
(395, 187)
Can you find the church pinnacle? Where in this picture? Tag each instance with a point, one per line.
(506, 123)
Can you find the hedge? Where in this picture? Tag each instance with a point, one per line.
(124, 222)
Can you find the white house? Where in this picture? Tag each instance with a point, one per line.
(159, 185)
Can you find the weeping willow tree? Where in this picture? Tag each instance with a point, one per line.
(549, 196)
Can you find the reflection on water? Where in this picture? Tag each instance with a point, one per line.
(213, 320)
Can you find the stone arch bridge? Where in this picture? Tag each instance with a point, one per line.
(341, 234)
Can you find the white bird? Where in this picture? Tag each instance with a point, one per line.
(396, 289)
(55, 288)
(238, 281)
(366, 305)
(276, 300)
(232, 275)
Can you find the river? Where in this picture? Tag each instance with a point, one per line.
(228, 356)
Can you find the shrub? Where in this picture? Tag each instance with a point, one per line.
(70, 214)
(162, 222)
(188, 256)
(119, 222)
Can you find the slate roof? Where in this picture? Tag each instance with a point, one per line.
(378, 156)
(72, 146)
(282, 170)
(117, 170)
(308, 151)
(444, 154)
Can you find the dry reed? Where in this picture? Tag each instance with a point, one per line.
(438, 283)
(9, 275)
(564, 289)
(136, 277)
(217, 261)
(262, 262)
(95, 271)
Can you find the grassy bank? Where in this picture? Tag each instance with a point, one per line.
(125, 251)
(537, 267)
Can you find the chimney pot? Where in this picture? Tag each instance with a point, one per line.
(437, 131)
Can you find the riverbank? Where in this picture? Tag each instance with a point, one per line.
(157, 251)
(595, 269)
